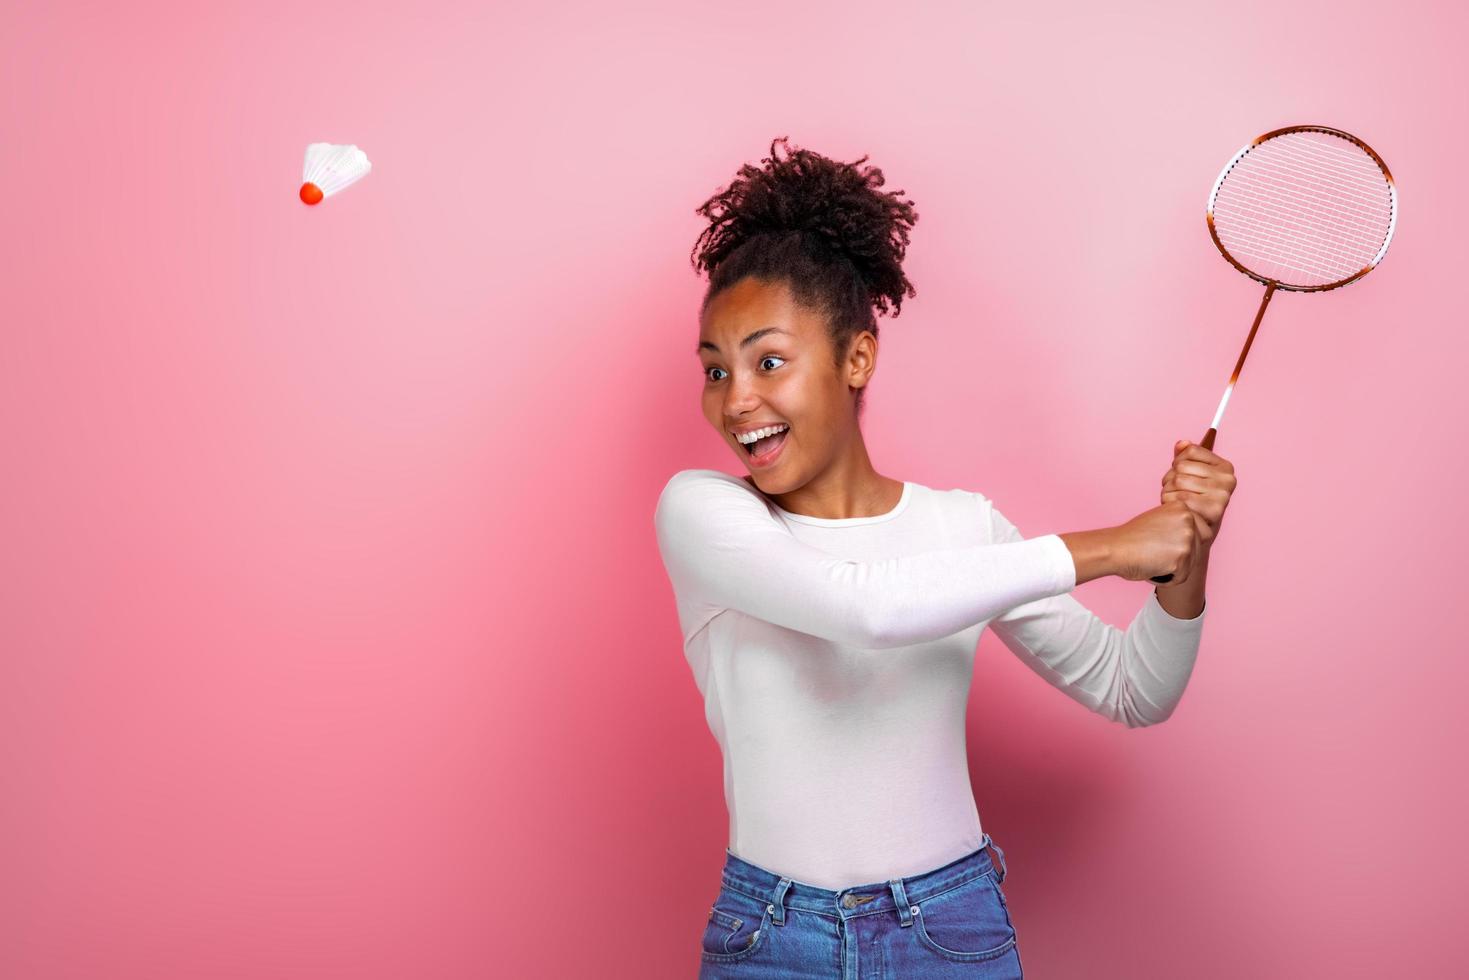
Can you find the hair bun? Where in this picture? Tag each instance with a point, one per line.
(835, 207)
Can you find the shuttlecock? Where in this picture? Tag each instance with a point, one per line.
(331, 167)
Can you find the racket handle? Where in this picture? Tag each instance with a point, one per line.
(1208, 443)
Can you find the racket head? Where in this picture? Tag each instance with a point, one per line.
(1307, 208)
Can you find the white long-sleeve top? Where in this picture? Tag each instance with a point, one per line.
(835, 657)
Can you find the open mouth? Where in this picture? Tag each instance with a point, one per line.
(767, 445)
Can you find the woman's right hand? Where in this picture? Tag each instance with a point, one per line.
(1161, 541)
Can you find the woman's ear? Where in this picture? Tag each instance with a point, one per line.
(861, 359)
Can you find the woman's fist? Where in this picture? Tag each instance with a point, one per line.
(1161, 541)
(1202, 481)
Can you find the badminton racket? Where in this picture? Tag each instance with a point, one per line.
(1305, 209)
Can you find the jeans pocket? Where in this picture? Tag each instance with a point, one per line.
(737, 927)
(966, 923)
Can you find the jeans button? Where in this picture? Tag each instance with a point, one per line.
(850, 901)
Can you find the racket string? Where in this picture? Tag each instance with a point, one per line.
(1331, 258)
(1325, 198)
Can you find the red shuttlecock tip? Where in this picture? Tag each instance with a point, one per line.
(310, 193)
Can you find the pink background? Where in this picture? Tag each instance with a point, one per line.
(335, 637)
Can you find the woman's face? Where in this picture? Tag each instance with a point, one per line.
(767, 361)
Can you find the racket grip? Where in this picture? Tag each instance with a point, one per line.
(1208, 443)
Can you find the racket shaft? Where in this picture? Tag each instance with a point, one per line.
(1240, 364)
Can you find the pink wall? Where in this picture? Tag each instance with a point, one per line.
(335, 638)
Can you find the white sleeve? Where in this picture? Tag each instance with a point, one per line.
(725, 548)
(1134, 678)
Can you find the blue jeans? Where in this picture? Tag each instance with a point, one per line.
(948, 922)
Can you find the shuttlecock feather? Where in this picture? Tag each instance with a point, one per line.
(331, 167)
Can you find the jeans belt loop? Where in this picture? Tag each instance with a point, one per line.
(778, 904)
(1001, 866)
(900, 899)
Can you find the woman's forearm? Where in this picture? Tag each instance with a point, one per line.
(1092, 552)
(1185, 600)
(1095, 556)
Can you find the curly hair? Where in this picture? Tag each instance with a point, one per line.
(819, 225)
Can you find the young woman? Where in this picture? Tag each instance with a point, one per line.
(830, 613)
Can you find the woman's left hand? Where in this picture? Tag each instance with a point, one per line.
(1203, 481)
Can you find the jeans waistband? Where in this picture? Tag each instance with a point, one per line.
(895, 894)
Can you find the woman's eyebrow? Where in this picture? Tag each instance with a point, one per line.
(707, 345)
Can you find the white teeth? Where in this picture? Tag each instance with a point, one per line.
(746, 438)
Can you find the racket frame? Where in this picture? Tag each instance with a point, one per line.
(1392, 189)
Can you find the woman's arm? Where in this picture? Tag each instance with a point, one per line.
(1135, 678)
(724, 548)
(1185, 600)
